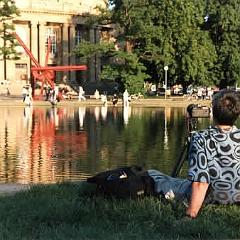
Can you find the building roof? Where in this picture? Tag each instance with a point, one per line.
(78, 7)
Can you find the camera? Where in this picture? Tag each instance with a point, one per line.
(198, 111)
(194, 111)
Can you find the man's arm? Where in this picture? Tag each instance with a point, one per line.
(199, 190)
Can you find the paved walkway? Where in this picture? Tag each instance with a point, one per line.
(145, 102)
(12, 188)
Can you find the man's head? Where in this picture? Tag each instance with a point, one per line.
(226, 107)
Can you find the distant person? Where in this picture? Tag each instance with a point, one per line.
(48, 93)
(209, 93)
(8, 92)
(30, 90)
(126, 98)
(104, 99)
(28, 100)
(200, 93)
(81, 94)
(96, 94)
(153, 89)
(115, 99)
(54, 95)
(24, 93)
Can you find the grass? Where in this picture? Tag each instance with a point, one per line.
(71, 211)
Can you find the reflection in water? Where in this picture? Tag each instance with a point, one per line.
(81, 113)
(97, 113)
(27, 115)
(35, 164)
(42, 145)
(104, 110)
(126, 114)
(167, 117)
(55, 116)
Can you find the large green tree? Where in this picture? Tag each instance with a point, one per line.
(197, 40)
(224, 25)
(167, 33)
(186, 48)
(8, 10)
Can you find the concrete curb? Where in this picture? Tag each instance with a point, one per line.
(12, 188)
(148, 102)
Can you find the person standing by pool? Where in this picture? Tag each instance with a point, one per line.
(81, 94)
(125, 98)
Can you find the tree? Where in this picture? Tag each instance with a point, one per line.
(167, 33)
(197, 40)
(178, 42)
(125, 65)
(8, 10)
(224, 25)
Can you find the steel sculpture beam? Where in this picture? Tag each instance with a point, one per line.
(46, 74)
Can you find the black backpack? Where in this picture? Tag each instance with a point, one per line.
(125, 182)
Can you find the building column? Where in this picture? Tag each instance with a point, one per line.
(33, 37)
(65, 50)
(41, 43)
(72, 32)
(91, 63)
(9, 68)
(97, 57)
(1, 62)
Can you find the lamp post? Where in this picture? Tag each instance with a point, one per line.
(165, 69)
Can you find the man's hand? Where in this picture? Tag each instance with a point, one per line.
(199, 191)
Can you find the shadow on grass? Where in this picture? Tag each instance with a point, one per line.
(72, 211)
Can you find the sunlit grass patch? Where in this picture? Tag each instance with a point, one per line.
(72, 211)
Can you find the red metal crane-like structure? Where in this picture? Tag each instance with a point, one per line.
(46, 74)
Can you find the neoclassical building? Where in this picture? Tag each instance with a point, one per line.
(64, 22)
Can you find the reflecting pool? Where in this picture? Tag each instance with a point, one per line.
(48, 145)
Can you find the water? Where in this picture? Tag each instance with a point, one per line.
(49, 145)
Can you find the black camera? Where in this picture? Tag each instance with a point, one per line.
(198, 111)
(194, 111)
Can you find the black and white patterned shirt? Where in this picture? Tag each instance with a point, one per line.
(214, 158)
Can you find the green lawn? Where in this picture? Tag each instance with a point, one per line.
(70, 211)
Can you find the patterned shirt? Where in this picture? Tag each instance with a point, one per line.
(214, 158)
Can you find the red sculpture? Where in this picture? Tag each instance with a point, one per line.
(46, 74)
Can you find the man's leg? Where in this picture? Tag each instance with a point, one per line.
(163, 184)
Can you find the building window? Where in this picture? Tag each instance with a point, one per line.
(78, 36)
(21, 71)
(52, 36)
(21, 66)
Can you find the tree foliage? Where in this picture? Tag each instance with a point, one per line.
(224, 27)
(197, 40)
(8, 10)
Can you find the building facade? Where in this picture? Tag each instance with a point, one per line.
(64, 23)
